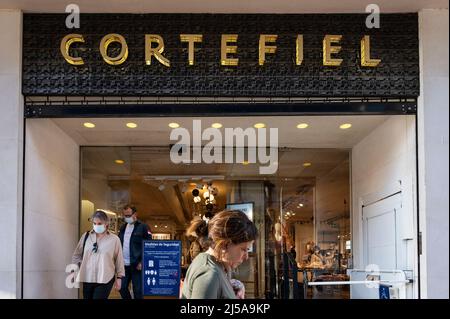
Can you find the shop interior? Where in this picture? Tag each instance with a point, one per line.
(303, 211)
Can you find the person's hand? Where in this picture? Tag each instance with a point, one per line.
(118, 284)
(139, 266)
(240, 294)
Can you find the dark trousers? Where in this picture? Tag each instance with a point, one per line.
(97, 291)
(133, 275)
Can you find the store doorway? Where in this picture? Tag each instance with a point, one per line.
(311, 200)
(381, 224)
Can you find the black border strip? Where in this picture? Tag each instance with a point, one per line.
(222, 109)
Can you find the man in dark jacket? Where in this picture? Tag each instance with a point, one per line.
(131, 235)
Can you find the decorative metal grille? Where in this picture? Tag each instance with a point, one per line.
(45, 72)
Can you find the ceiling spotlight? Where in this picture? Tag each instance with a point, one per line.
(131, 125)
(89, 125)
(307, 164)
(345, 126)
(301, 204)
(174, 125)
(245, 163)
(216, 125)
(259, 125)
(302, 125)
(119, 161)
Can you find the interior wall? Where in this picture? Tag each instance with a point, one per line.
(87, 207)
(96, 190)
(433, 133)
(95, 195)
(253, 191)
(332, 201)
(51, 209)
(11, 153)
(303, 234)
(383, 163)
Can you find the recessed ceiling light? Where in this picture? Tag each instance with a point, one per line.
(119, 161)
(245, 163)
(131, 125)
(302, 125)
(89, 125)
(345, 126)
(301, 204)
(216, 125)
(307, 164)
(156, 226)
(174, 125)
(259, 125)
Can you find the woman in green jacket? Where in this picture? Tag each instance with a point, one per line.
(230, 235)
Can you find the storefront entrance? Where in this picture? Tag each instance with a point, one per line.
(327, 179)
(305, 121)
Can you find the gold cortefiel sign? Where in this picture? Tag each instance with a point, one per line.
(154, 48)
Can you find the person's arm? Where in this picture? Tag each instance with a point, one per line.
(119, 262)
(206, 286)
(145, 236)
(78, 253)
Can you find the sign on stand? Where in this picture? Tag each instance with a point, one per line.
(161, 268)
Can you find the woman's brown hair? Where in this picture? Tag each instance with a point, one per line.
(230, 227)
(199, 230)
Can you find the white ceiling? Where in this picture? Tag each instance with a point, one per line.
(145, 151)
(323, 131)
(216, 6)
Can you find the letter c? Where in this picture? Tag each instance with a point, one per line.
(66, 42)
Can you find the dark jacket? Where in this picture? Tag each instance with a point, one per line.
(140, 233)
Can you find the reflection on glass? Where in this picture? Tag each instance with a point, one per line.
(302, 212)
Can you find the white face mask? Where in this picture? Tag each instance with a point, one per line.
(129, 220)
(99, 229)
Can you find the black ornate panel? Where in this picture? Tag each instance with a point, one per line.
(45, 72)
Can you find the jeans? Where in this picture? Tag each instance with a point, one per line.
(133, 275)
(97, 291)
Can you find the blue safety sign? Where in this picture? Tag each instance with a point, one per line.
(384, 292)
(161, 271)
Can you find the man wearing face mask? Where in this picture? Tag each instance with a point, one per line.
(131, 235)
